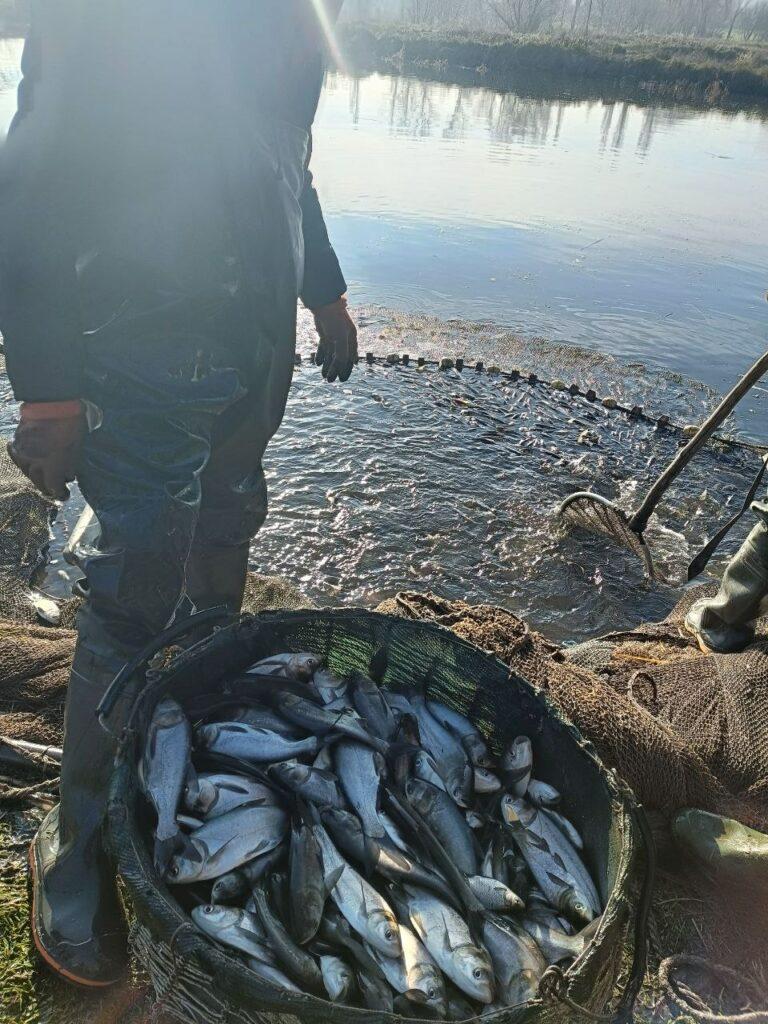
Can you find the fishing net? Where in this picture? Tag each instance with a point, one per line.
(682, 728)
(198, 982)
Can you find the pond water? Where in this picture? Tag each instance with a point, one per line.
(617, 245)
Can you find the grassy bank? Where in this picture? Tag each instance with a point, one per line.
(707, 69)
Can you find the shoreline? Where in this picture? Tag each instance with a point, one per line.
(706, 73)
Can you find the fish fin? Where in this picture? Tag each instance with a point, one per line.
(332, 878)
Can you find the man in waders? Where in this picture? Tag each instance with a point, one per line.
(725, 623)
(158, 223)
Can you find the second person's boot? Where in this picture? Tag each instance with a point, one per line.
(725, 623)
(78, 923)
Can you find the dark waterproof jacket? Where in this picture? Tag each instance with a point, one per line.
(159, 161)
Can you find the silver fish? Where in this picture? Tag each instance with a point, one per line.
(474, 820)
(485, 782)
(552, 860)
(328, 686)
(414, 974)
(470, 737)
(495, 895)
(299, 667)
(449, 942)
(272, 975)
(323, 720)
(212, 794)
(363, 907)
(555, 944)
(447, 822)
(232, 886)
(516, 764)
(313, 784)
(338, 977)
(164, 769)
(450, 757)
(360, 770)
(228, 842)
(263, 718)
(256, 869)
(425, 768)
(542, 794)
(372, 707)
(235, 928)
(236, 739)
(377, 994)
(517, 960)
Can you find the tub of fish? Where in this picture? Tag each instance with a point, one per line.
(339, 816)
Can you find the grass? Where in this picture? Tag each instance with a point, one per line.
(711, 69)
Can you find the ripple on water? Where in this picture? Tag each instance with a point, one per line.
(449, 481)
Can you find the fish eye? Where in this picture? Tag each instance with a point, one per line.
(477, 973)
(173, 871)
(431, 993)
(208, 909)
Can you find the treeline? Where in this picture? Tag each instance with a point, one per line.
(729, 19)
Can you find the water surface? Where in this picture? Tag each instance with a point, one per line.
(616, 245)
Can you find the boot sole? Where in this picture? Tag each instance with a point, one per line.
(45, 956)
(697, 637)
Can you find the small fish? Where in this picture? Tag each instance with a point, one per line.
(425, 768)
(376, 992)
(449, 942)
(299, 667)
(474, 820)
(363, 907)
(262, 718)
(164, 769)
(517, 960)
(328, 686)
(257, 868)
(485, 782)
(360, 770)
(495, 895)
(552, 860)
(228, 842)
(338, 978)
(236, 739)
(306, 886)
(555, 944)
(470, 737)
(516, 764)
(372, 707)
(324, 720)
(235, 928)
(299, 964)
(312, 784)
(213, 794)
(229, 887)
(447, 822)
(542, 794)
(414, 974)
(449, 755)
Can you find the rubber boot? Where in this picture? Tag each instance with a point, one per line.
(733, 851)
(78, 923)
(725, 623)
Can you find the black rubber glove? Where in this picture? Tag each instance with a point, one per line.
(46, 447)
(337, 351)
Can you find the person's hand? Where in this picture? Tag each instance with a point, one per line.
(337, 351)
(47, 444)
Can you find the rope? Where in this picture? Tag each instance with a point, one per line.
(552, 987)
(634, 412)
(693, 1005)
